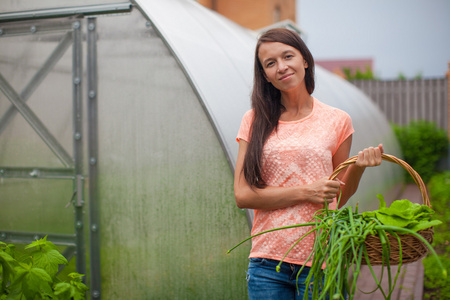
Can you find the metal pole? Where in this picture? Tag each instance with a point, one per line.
(94, 208)
(78, 146)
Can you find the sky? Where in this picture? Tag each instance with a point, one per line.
(411, 37)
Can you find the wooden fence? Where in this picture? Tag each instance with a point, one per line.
(406, 100)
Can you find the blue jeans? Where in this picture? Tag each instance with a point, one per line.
(264, 282)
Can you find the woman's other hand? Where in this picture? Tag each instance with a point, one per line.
(370, 157)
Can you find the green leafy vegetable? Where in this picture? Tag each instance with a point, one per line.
(405, 214)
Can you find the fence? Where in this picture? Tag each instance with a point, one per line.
(406, 100)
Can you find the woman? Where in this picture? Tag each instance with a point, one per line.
(289, 144)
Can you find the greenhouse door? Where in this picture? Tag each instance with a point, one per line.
(31, 191)
(47, 130)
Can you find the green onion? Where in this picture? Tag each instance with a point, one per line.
(340, 244)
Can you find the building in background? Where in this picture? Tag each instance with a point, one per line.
(253, 14)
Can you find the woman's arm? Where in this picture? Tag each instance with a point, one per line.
(278, 197)
(369, 157)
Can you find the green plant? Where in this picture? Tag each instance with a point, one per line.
(439, 187)
(34, 276)
(418, 76)
(359, 75)
(435, 287)
(401, 76)
(423, 144)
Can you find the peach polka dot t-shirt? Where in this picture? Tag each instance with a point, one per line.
(297, 153)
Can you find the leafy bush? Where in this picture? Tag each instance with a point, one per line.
(359, 75)
(439, 187)
(423, 144)
(34, 276)
(435, 286)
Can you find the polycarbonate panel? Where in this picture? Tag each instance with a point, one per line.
(21, 59)
(168, 213)
(33, 205)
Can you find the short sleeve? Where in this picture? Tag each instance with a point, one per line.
(246, 123)
(344, 130)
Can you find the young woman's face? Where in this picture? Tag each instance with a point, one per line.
(283, 65)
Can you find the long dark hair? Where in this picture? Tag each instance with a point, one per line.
(266, 102)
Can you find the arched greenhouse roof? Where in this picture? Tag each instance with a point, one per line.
(217, 57)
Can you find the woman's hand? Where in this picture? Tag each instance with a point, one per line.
(370, 157)
(323, 190)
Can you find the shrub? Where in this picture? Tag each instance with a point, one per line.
(435, 286)
(439, 189)
(423, 144)
(34, 276)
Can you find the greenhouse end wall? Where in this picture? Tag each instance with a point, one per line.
(165, 189)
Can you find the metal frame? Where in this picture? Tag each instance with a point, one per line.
(25, 23)
(80, 11)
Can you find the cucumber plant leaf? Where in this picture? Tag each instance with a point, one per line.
(74, 290)
(49, 261)
(36, 282)
(7, 264)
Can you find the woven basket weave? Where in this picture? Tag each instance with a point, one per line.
(412, 248)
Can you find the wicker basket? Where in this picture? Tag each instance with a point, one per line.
(412, 248)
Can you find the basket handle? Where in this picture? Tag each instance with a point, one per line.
(417, 179)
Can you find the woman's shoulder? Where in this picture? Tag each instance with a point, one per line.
(249, 114)
(330, 109)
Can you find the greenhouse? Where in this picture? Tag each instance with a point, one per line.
(118, 125)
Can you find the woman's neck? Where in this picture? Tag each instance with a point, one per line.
(297, 105)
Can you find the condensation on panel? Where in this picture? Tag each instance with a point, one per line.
(36, 205)
(168, 213)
